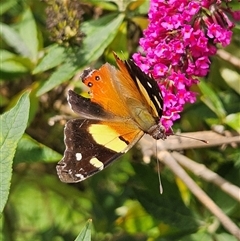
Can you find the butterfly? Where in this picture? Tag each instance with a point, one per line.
(124, 104)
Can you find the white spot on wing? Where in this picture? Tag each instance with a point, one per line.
(149, 84)
(159, 104)
(78, 156)
(80, 176)
(96, 163)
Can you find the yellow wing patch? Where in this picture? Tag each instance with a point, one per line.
(107, 136)
(118, 137)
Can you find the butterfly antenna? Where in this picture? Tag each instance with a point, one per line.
(193, 138)
(158, 168)
(171, 133)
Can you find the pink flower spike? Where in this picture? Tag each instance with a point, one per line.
(177, 45)
(236, 15)
(160, 70)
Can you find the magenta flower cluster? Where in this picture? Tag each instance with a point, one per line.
(181, 36)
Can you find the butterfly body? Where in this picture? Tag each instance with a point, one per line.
(125, 104)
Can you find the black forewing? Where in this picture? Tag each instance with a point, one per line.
(79, 140)
(86, 108)
(149, 84)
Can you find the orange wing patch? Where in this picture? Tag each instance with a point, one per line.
(103, 91)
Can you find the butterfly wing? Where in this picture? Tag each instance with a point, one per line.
(126, 93)
(91, 145)
(123, 106)
(88, 109)
(146, 86)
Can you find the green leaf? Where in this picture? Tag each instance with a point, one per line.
(169, 211)
(63, 73)
(6, 5)
(13, 125)
(232, 78)
(28, 32)
(119, 44)
(13, 65)
(211, 99)
(134, 219)
(233, 120)
(140, 6)
(13, 39)
(198, 236)
(3, 100)
(104, 4)
(5, 55)
(55, 56)
(103, 30)
(168, 207)
(122, 4)
(30, 150)
(85, 234)
(224, 237)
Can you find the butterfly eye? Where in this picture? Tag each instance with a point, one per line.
(90, 84)
(97, 78)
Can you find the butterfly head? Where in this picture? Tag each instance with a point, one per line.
(158, 132)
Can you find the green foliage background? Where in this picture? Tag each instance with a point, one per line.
(123, 201)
